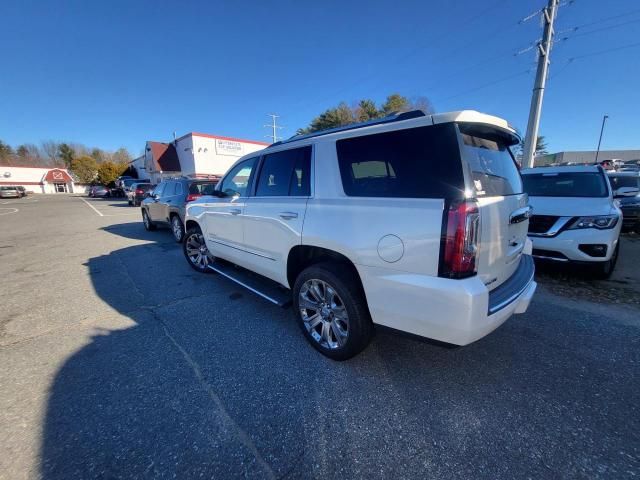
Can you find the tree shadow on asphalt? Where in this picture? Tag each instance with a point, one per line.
(212, 381)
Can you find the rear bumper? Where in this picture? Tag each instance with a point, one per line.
(458, 312)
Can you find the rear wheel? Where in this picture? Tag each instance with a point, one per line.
(196, 252)
(148, 224)
(177, 228)
(604, 269)
(332, 310)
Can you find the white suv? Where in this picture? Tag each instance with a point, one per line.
(575, 218)
(415, 222)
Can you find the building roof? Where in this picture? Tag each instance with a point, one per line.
(562, 169)
(219, 137)
(165, 156)
(31, 175)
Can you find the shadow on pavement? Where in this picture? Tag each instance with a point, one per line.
(213, 382)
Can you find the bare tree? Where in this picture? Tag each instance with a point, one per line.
(49, 149)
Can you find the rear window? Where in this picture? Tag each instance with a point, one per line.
(565, 184)
(202, 188)
(618, 181)
(421, 162)
(491, 167)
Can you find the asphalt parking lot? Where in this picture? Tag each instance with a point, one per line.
(119, 361)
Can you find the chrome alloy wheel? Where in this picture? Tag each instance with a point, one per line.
(176, 226)
(197, 251)
(323, 313)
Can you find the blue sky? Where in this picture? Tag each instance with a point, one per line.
(113, 74)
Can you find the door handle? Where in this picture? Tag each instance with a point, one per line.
(235, 211)
(288, 215)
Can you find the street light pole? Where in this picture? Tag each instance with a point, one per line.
(604, 119)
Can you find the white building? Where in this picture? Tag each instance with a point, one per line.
(193, 155)
(38, 179)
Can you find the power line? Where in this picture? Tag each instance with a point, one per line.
(500, 80)
(416, 50)
(569, 61)
(589, 32)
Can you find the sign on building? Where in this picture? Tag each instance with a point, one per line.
(228, 147)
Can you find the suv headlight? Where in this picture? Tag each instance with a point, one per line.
(600, 222)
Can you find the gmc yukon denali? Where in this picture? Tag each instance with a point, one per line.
(414, 222)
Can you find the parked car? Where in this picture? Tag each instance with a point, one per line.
(137, 192)
(22, 191)
(626, 190)
(415, 222)
(166, 203)
(575, 216)
(9, 192)
(98, 191)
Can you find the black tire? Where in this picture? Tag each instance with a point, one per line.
(604, 270)
(148, 224)
(177, 228)
(198, 266)
(130, 203)
(346, 284)
(136, 203)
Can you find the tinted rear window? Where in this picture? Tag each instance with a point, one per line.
(492, 169)
(202, 188)
(565, 184)
(618, 181)
(421, 162)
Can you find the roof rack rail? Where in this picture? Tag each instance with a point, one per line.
(393, 117)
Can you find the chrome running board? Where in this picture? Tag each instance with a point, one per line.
(261, 286)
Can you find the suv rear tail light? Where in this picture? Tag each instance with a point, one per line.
(460, 235)
(192, 196)
(139, 191)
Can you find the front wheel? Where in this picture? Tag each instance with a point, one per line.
(332, 310)
(605, 269)
(177, 228)
(196, 252)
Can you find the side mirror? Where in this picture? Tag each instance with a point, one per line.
(626, 192)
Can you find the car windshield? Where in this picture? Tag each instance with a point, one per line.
(618, 181)
(565, 184)
(8, 188)
(129, 181)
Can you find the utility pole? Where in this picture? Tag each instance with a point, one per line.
(274, 128)
(604, 119)
(544, 51)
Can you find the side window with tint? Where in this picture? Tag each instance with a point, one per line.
(158, 190)
(422, 162)
(286, 173)
(169, 190)
(236, 181)
(178, 190)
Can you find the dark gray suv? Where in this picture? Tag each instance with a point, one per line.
(165, 205)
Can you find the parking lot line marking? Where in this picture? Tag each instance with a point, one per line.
(13, 210)
(93, 208)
